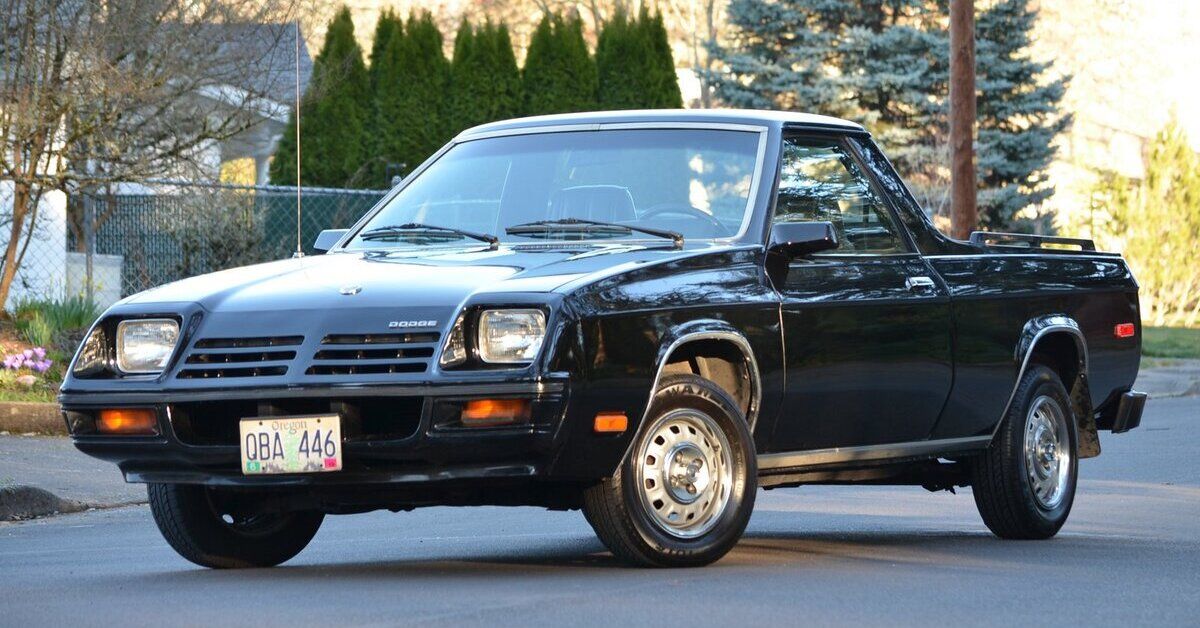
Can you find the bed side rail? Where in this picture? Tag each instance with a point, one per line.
(1025, 240)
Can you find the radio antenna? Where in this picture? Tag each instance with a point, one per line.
(299, 247)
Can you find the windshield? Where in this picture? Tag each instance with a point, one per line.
(691, 182)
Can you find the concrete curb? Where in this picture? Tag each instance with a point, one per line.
(25, 417)
(27, 502)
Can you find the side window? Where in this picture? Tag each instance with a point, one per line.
(819, 182)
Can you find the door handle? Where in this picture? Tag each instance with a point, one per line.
(920, 284)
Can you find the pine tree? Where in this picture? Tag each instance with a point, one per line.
(333, 115)
(886, 65)
(778, 58)
(559, 74)
(1018, 116)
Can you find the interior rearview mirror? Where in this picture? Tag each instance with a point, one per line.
(797, 239)
(326, 239)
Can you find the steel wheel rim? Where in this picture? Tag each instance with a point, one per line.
(1047, 452)
(684, 473)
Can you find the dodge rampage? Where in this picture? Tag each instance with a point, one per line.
(644, 315)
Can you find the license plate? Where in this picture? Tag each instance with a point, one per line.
(294, 444)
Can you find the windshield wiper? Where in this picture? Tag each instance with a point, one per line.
(568, 224)
(417, 228)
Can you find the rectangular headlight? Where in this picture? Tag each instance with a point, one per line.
(144, 346)
(511, 336)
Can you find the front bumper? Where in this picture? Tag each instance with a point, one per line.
(393, 435)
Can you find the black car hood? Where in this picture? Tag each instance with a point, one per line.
(421, 279)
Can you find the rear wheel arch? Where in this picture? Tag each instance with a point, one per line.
(1057, 342)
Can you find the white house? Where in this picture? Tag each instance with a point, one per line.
(267, 96)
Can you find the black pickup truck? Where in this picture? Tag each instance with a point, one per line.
(644, 315)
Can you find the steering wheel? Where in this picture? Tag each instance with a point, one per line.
(683, 209)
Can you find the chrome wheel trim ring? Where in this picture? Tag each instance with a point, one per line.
(684, 473)
(1047, 452)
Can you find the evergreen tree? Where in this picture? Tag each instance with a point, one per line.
(886, 65)
(506, 99)
(778, 58)
(410, 122)
(664, 89)
(485, 84)
(468, 84)
(559, 74)
(634, 64)
(389, 25)
(333, 115)
(1155, 221)
(1018, 115)
(617, 52)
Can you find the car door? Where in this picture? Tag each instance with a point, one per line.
(867, 325)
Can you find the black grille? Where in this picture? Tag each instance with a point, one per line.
(363, 418)
(380, 339)
(373, 354)
(260, 356)
(257, 371)
(241, 343)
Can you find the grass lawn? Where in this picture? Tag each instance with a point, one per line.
(1171, 342)
(37, 393)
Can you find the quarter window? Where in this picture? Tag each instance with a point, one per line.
(820, 182)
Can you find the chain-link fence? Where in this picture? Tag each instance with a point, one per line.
(144, 236)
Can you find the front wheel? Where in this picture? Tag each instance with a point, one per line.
(207, 527)
(683, 495)
(1024, 484)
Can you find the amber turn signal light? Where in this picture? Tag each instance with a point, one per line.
(611, 423)
(138, 421)
(495, 411)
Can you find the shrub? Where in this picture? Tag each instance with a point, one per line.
(54, 323)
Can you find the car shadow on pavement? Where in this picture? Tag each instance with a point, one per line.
(966, 550)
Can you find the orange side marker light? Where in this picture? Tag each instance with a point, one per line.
(611, 423)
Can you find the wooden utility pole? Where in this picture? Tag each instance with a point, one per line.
(964, 215)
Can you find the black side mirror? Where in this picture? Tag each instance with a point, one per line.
(797, 239)
(327, 238)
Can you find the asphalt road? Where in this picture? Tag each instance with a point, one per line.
(1130, 554)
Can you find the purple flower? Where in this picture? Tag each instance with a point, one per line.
(28, 353)
(40, 352)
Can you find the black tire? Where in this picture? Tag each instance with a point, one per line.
(620, 515)
(1001, 481)
(190, 518)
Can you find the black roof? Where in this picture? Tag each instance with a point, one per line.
(704, 116)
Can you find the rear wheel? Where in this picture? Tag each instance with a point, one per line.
(683, 495)
(1024, 485)
(206, 527)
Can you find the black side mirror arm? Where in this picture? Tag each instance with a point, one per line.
(793, 240)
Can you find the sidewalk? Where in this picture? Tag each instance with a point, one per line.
(1168, 377)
